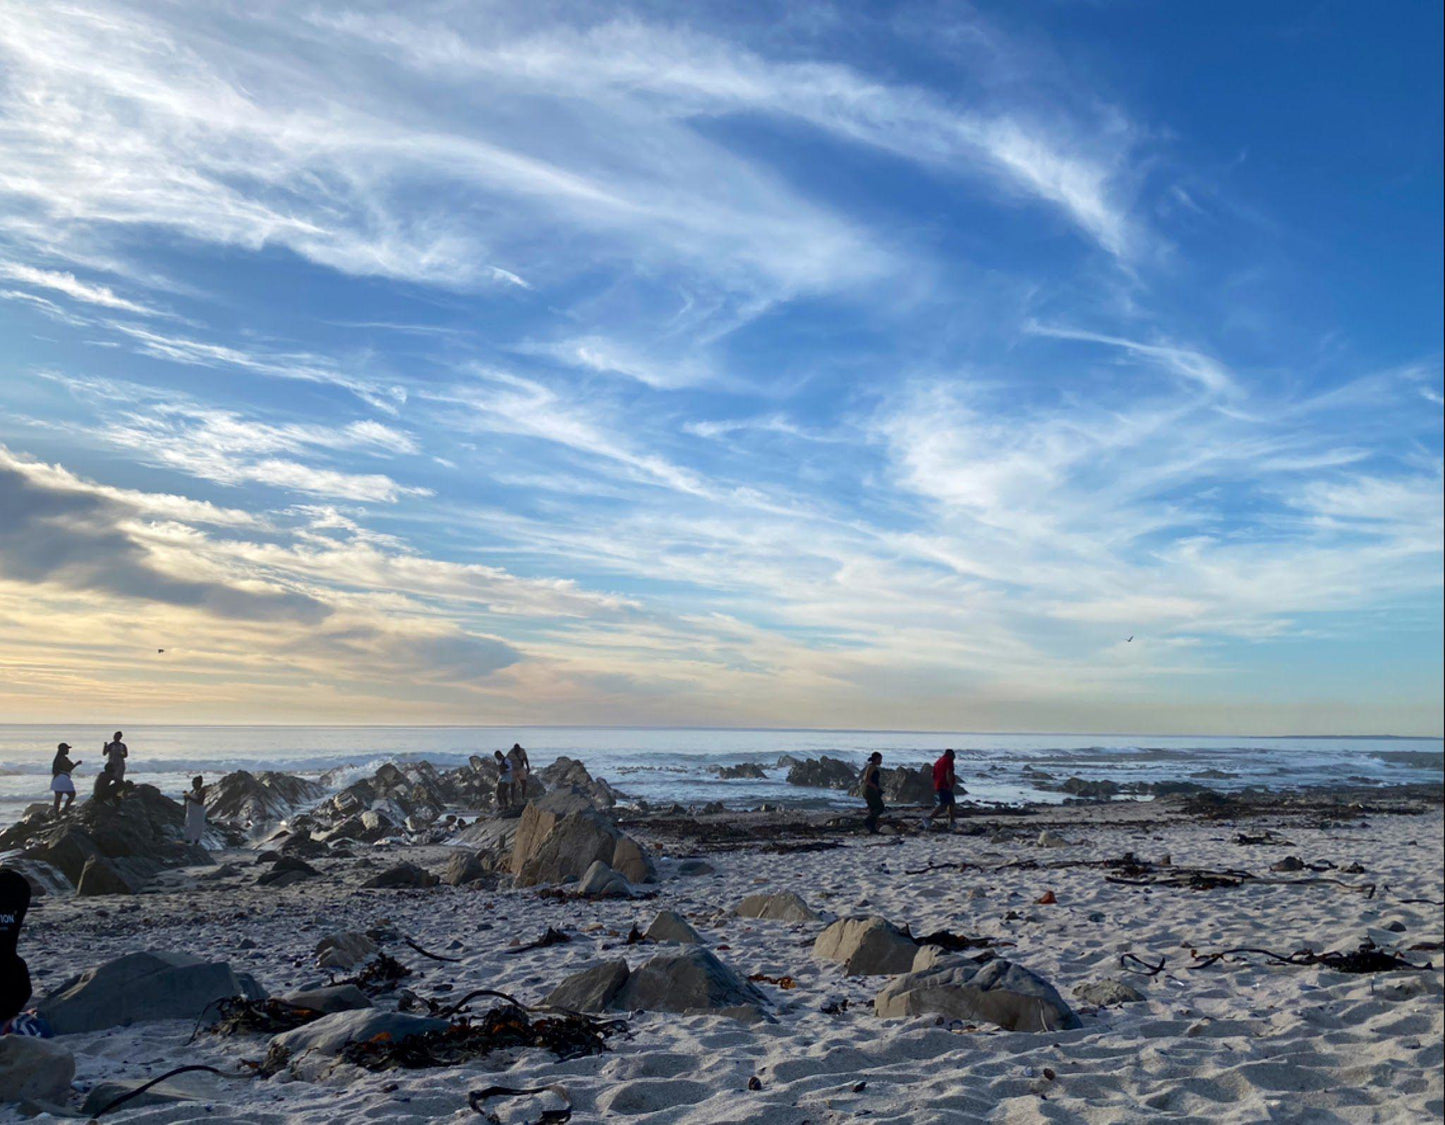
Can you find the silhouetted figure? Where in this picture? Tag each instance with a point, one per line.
(195, 802)
(873, 791)
(61, 783)
(504, 781)
(14, 973)
(115, 755)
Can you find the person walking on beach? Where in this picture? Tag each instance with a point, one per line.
(504, 781)
(115, 753)
(873, 791)
(521, 771)
(195, 802)
(943, 782)
(61, 783)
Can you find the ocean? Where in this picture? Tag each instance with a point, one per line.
(666, 765)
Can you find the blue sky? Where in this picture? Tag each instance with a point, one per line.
(796, 365)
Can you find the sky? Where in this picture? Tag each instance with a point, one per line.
(794, 365)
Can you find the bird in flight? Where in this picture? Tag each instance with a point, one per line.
(1130, 638)
(160, 650)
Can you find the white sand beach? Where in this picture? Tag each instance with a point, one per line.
(1239, 1041)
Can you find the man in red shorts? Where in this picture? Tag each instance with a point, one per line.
(943, 784)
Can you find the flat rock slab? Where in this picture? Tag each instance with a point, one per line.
(329, 1034)
(867, 946)
(337, 998)
(998, 992)
(142, 986)
(782, 907)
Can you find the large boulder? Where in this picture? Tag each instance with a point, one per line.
(866, 946)
(785, 906)
(684, 980)
(66, 850)
(142, 986)
(258, 799)
(555, 847)
(998, 992)
(329, 1034)
(592, 990)
(100, 876)
(903, 785)
(34, 1070)
(823, 773)
(670, 926)
(600, 881)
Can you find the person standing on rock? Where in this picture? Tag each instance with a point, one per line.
(944, 781)
(61, 783)
(521, 771)
(873, 791)
(195, 802)
(115, 753)
(504, 781)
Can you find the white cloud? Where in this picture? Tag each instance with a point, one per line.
(67, 283)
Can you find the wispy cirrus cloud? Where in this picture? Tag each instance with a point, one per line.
(86, 292)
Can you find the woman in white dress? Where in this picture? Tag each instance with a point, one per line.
(195, 802)
(61, 783)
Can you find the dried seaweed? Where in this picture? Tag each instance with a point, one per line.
(477, 1098)
(551, 937)
(380, 974)
(568, 1036)
(1368, 958)
(268, 1017)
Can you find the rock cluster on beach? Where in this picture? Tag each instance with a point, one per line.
(763, 966)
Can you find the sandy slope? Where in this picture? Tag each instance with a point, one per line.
(1234, 1043)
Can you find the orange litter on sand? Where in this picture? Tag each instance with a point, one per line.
(1048, 899)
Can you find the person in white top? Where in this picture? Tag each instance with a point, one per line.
(195, 802)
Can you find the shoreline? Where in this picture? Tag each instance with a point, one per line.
(1238, 1041)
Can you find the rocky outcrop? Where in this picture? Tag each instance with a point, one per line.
(557, 847)
(999, 992)
(823, 773)
(904, 785)
(784, 906)
(43, 878)
(142, 986)
(145, 825)
(253, 800)
(571, 773)
(748, 770)
(287, 871)
(34, 1070)
(100, 876)
(866, 946)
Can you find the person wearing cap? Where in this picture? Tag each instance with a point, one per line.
(60, 783)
